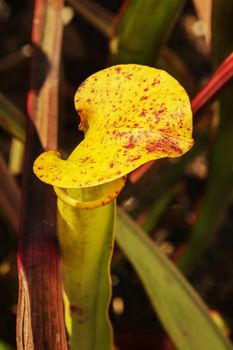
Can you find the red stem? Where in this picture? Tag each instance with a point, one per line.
(40, 319)
(211, 90)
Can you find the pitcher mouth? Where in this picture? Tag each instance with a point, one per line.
(110, 192)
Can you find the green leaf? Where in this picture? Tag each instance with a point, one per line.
(180, 309)
(4, 346)
(11, 119)
(9, 195)
(141, 29)
(158, 208)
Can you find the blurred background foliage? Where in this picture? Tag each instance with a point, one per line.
(184, 205)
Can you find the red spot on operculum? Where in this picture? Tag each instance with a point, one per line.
(120, 133)
(111, 165)
(84, 160)
(155, 82)
(165, 144)
(134, 158)
(159, 112)
(118, 69)
(157, 116)
(143, 98)
(143, 114)
(131, 143)
(153, 146)
(181, 124)
(129, 76)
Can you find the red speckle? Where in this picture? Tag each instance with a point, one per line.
(75, 309)
(185, 333)
(118, 172)
(111, 165)
(165, 144)
(146, 89)
(134, 158)
(143, 98)
(120, 133)
(92, 91)
(180, 123)
(84, 160)
(158, 113)
(143, 114)
(130, 145)
(118, 69)
(157, 116)
(129, 76)
(88, 100)
(155, 82)
(153, 146)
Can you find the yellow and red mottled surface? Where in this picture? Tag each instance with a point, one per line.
(130, 114)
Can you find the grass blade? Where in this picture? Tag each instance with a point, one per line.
(154, 18)
(11, 119)
(180, 309)
(9, 195)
